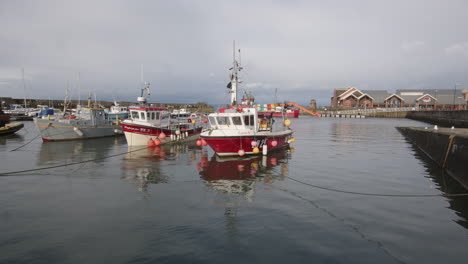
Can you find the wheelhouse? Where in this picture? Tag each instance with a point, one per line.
(118, 108)
(245, 120)
(148, 114)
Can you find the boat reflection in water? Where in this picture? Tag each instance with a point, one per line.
(239, 175)
(142, 164)
(60, 152)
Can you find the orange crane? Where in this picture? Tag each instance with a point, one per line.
(303, 109)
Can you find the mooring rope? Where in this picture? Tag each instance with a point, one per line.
(26, 142)
(69, 164)
(372, 194)
(449, 147)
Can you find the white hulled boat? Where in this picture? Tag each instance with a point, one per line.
(87, 122)
(149, 125)
(238, 130)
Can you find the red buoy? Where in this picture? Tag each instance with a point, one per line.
(157, 142)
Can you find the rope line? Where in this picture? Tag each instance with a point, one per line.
(26, 142)
(69, 164)
(375, 194)
(449, 147)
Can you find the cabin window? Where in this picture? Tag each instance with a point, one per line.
(153, 115)
(134, 115)
(212, 120)
(142, 116)
(236, 120)
(249, 120)
(223, 120)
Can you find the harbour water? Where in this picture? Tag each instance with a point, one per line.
(349, 191)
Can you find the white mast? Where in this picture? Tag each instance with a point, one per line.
(236, 67)
(79, 91)
(24, 87)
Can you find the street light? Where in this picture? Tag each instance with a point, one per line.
(454, 92)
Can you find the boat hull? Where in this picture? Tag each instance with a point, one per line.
(9, 129)
(113, 116)
(140, 135)
(52, 130)
(230, 145)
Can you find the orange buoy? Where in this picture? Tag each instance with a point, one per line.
(150, 143)
(199, 143)
(162, 136)
(241, 152)
(203, 142)
(256, 150)
(253, 143)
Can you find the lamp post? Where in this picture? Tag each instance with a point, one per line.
(435, 102)
(454, 94)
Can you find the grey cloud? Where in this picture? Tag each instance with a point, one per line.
(303, 48)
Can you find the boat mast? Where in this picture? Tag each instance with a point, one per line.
(236, 68)
(89, 99)
(24, 87)
(79, 91)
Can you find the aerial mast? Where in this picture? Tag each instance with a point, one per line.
(24, 87)
(236, 67)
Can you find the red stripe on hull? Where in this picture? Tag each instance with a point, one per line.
(151, 131)
(227, 145)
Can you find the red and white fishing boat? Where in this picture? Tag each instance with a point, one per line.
(238, 130)
(151, 126)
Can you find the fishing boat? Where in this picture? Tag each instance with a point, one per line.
(86, 122)
(7, 128)
(149, 125)
(117, 111)
(237, 130)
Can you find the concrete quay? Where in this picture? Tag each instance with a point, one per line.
(445, 146)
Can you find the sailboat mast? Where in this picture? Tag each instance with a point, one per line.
(79, 91)
(24, 87)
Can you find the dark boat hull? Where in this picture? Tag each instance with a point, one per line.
(9, 129)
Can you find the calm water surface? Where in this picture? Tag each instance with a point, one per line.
(182, 204)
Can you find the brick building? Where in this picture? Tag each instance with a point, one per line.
(348, 98)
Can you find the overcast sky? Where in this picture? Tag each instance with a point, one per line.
(305, 49)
